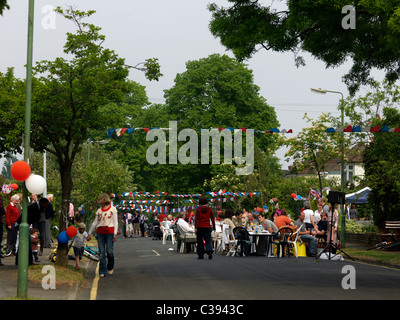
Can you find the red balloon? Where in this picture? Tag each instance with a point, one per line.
(274, 199)
(20, 170)
(71, 231)
(294, 195)
(14, 186)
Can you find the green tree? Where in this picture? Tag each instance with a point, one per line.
(3, 6)
(218, 91)
(312, 148)
(12, 103)
(66, 100)
(102, 171)
(213, 92)
(379, 107)
(6, 169)
(315, 27)
(381, 162)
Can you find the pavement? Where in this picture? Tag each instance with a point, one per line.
(9, 281)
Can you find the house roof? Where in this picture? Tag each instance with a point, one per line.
(354, 155)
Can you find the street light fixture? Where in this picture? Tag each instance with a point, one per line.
(343, 221)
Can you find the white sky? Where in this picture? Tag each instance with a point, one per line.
(173, 31)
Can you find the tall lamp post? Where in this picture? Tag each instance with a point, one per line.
(342, 179)
(23, 250)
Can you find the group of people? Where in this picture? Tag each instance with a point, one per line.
(134, 224)
(39, 213)
(312, 224)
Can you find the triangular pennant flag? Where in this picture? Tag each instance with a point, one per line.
(385, 129)
(348, 129)
(110, 132)
(330, 130)
(375, 129)
(357, 129)
(120, 131)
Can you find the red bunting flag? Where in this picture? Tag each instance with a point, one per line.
(375, 129)
(348, 129)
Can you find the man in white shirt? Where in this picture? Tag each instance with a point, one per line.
(184, 226)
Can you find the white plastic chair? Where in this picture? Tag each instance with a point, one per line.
(293, 242)
(167, 231)
(229, 239)
(218, 247)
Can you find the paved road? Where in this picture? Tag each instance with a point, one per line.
(145, 269)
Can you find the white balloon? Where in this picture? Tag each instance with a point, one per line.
(35, 184)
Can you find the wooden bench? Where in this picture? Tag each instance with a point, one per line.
(393, 236)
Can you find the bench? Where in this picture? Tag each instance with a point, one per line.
(393, 236)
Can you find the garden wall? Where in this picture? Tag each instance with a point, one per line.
(368, 238)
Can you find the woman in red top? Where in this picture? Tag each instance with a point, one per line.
(106, 226)
(12, 215)
(203, 229)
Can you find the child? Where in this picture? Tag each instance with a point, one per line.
(35, 240)
(79, 242)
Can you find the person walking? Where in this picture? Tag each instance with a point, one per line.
(106, 225)
(142, 221)
(203, 230)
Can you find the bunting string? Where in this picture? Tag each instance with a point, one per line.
(120, 131)
(363, 129)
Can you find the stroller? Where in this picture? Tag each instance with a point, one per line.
(157, 233)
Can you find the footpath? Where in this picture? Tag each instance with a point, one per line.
(9, 281)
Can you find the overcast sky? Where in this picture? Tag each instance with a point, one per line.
(173, 31)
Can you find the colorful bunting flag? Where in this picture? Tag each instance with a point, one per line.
(385, 128)
(121, 131)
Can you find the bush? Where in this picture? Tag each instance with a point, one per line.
(353, 227)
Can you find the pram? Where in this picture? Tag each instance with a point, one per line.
(157, 233)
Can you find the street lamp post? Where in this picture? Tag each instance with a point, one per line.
(23, 247)
(342, 179)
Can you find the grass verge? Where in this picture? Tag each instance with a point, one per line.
(64, 275)
(379, 257)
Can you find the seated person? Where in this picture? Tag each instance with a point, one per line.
(306, 236)
(283, 220)
(322, 225)
(228, 218)
(322, 231)
(268, 225)
(183, 227)
(237, 219)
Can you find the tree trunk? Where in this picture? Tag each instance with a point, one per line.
(66, 181)
(318, 172)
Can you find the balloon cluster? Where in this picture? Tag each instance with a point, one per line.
(64, 236)
(21, 171)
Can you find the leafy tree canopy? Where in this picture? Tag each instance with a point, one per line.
(316, 27)
(3, 6)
